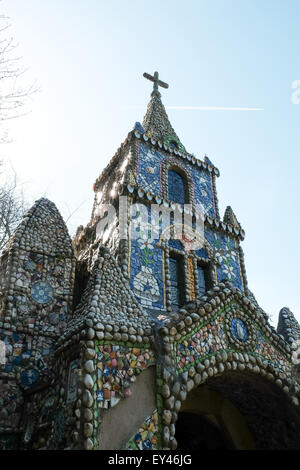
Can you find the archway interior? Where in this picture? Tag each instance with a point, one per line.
(237, 411)
(197, 432)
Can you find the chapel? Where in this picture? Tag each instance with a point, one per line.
(141, 333)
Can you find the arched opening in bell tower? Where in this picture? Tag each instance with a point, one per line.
(177, 186)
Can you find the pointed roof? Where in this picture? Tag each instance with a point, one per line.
(156, 123)
(42, 229)
(230, 218)
(109, 304)
(288, 326)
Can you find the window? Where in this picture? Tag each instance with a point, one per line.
(176, 187)
(204, 278)
(177, 283)
(201, 280)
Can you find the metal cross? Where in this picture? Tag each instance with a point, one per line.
(156, 81)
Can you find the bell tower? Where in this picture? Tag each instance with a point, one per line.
(152, 168)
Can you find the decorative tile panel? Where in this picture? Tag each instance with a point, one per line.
(228, 330)
(227, 255)
(150, 174)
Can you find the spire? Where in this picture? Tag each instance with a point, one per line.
(288, 326)
(156, 123)
(230, 218)
(42, 229)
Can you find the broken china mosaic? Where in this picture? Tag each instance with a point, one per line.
(150, 173)
(72, 381)
(146, 437)
(227, 255)
(208, 339)
(115, 367)
(147, 262)
(212, 337)
(266, 349)
(146, 279)
(42, 286)
(11, 401)
(19, 349)
(50, 412)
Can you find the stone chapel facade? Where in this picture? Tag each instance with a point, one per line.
(126, 341)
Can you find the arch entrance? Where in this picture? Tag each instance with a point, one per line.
(237, 411)
(195, 431)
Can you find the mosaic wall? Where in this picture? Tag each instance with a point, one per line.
(227, 254)
(265, 349)
(40, 306)
(147, 261)
(115, 368)
(207, 340)
(41, 291)
(49, 413)
(36, 287)
(146, 275)
(11, 401)
(214, 336)
(44, 421)
(203, 191)
(146, 437)
(149, 178)
(26, 354)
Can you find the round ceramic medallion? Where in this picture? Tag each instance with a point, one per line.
(29, 377)
(239, 329)
(42, 292)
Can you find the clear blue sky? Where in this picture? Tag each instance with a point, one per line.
(88, 58)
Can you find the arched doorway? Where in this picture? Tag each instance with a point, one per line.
(237, 411)
(197, 432)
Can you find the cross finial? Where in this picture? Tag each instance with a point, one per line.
(156, 84)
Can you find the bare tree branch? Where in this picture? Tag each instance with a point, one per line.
(12, 208)
(13, 94)
(13, 97)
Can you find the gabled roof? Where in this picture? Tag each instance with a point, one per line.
(109, 306)
(203, 308)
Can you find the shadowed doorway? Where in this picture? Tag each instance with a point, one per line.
(195, 432)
